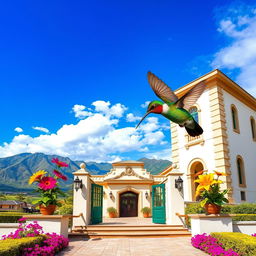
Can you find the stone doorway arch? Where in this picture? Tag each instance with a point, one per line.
(195, 166)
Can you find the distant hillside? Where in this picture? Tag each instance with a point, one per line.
(16, 170)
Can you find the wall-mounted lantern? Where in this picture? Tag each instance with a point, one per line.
(146, 195)
(179, 183)
(78, 183)
(111, 195)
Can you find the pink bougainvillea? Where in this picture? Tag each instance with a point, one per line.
(211, 246)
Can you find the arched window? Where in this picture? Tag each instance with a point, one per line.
(253, 128)
(240, 171)
(235, 121)
(194, 112)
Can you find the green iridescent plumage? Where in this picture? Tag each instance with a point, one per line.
(174, 109)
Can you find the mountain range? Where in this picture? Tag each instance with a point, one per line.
(16, 170)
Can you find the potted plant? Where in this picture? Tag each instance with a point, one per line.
(48, 187)
(146, 212)
(212, 198)
(112, 212)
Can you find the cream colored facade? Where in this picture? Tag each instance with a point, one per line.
(127, 176)
(220, 144)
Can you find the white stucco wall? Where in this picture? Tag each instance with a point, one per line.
(205, 152)
(241, 144)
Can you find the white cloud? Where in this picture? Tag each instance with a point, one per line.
(240, 53)
(132, 118)
(103, 107)
(160, 154)
(18, 129)
(80, 112)
(97, 137)
(42, 129)
(145, 105)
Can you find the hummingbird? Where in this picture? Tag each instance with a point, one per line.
(173, 108)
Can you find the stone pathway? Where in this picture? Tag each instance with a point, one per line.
(175, 246)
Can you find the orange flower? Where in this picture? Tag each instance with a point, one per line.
(220, 173)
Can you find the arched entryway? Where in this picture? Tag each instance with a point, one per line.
(128, 204)
(195, 166)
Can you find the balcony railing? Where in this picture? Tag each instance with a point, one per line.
(191, 141)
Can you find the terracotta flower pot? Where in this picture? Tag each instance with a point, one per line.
(48, 210)
(112, 215)
(212, 208)
(146, 215)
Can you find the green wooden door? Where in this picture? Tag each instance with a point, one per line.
(158, 203)
(96, 204)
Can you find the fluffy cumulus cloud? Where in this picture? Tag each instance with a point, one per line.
(18, 129)
(239, 27)
(145, 105)
(80, 112)
(100, 135)
(130, 118)
(41, 129)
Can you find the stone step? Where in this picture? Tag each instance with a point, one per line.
(128, 229)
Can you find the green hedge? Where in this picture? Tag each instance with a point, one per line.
(14, 247)
(11, 217)
(240, 243)
(245, 208)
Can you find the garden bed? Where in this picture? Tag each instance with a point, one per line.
(226, 244)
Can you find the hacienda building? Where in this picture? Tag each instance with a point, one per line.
(226, 112)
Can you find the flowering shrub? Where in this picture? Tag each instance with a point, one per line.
(48, 185)
(51, 244)
(254, 234)
(210, 245)
(25, 230)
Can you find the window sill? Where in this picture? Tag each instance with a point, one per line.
(236, 131)
(191, 141)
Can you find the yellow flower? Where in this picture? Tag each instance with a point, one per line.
(205, 181)
(220, 173)
(36, 176)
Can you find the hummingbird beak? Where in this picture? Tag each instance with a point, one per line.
(143, 118)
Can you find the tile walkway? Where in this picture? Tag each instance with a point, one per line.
(175, 246)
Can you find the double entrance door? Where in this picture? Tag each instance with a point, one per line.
(128, 204)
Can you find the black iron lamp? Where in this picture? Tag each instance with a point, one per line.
(146, 195)
(78, 183)
(179, 183)
(111, 194)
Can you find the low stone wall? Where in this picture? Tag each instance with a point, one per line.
(6, 228)
(202, 223)
(245, 227)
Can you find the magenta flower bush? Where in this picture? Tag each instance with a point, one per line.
(211, 246)
(52, 244)
(254, 234)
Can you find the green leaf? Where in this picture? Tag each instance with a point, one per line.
(203, 202)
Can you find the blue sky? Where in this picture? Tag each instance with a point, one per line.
(71, 72)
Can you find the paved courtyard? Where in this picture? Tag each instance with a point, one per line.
(175, 246)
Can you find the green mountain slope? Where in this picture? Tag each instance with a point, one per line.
(16, 170)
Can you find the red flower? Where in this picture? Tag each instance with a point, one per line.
(60, 175)
(47, 183)
(59, 163)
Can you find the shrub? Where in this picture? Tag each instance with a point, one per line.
(112, 210)
(241, 243)
(194, 208)
(14, 247)
(10, 217)
(210, 245)
(146, 210)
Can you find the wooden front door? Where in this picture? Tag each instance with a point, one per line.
(128, 204)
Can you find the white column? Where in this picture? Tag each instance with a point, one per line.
(174, 200)
(82, 198)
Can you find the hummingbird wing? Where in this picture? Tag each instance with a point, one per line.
(190, 98)
(162, 90)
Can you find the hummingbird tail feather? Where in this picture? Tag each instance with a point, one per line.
(196, 131)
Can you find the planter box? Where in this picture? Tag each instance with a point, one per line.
(245, 227)
(51, 223)
(6, 228)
